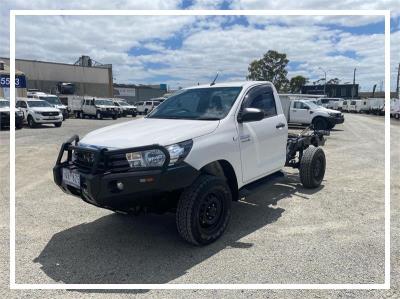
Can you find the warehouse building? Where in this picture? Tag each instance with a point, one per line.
(84, 77)
(346, 91)
(135, 93)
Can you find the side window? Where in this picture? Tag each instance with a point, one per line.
(262, 97)
(298, 105)
(23, 105)
(91, 102)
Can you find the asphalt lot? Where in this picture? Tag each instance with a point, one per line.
(281, 233)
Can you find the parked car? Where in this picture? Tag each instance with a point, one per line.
(93, 107)
(306, 112)
(52, 99)
(355, 106)
(39, 112)
(125, 108)
(5, 115)
(346, 105)
(193, 155)
(144, 107)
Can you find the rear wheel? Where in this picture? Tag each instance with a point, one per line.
(204, 210)
(312, 167)
(31, 122)
(397, 116)
(320, 123)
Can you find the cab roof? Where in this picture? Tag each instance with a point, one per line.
(243, 84)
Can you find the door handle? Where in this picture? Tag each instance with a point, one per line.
(280, 125)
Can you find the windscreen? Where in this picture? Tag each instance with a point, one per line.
(198, 103)
(104, 102)
(38, 104)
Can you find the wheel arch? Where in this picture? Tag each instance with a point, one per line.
(222, 168)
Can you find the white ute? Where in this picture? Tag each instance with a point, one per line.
(52, 99)
(306, 112)
(39, 112)
(194, 154)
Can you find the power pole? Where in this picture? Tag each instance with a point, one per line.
(354, 84)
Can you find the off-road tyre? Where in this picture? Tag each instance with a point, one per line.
(204, 210)
(312, 167)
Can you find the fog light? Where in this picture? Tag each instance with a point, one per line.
(120, 186)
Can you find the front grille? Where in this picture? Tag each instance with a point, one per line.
(84, 161)
(49, 113)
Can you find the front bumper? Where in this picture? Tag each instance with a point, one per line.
(108, 113)
(335, 120)
(141, 188)
(41, 119)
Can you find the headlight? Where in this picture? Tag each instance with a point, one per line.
(179, 151)
(149, 158)
(36, 112)
(19, 113)
(332, 114)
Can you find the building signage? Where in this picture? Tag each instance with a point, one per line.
(20, 81)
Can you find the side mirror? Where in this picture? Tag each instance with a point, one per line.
(250, 114)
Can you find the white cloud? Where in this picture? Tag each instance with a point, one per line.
(207, 47)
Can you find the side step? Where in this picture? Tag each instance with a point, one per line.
(246, 190)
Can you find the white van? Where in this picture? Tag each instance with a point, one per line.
(355, 106)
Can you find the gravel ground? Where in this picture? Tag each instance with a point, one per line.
(281, 233)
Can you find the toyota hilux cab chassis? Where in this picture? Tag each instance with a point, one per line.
(192, 155)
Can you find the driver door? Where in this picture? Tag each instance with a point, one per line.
(299, 113)
(262, 143)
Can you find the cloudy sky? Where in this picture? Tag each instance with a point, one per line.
(182, 51)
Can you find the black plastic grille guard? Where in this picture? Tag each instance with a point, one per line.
(105, 153)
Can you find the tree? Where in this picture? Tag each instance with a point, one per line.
(296, 83)
(271, 67)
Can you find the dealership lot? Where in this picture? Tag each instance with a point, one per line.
(281, 233)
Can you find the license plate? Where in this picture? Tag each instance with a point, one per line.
(52, 117)
(71, 178)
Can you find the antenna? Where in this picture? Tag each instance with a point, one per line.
(213, 82)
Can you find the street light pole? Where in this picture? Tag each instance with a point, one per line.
(325, 79)
(354, 84)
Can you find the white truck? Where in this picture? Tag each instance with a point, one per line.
(38, 112)
(306, 112)
(355, 106)
(197, 152)
(52, 99)
(124, 108)
(92, 107)
(377, 106)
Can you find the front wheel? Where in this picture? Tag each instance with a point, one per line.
(204, 210)
(57, 125)
(31, 122)
(312, 167)
(99, 115)
(397, 116)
